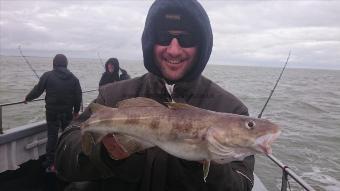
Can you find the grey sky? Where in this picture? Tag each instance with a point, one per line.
(245, 32)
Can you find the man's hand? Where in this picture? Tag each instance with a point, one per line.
(115, 150)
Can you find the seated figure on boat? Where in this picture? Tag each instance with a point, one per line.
(177, 43)
(63, 98)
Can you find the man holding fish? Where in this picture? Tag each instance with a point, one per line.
(172, 128)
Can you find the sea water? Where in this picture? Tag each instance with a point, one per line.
(306, 104)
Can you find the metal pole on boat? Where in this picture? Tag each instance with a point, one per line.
(284, 180)
(21, 102)
(82, 103)
(287, 171)
(1, 131)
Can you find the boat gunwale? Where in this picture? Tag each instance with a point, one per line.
(23, 131)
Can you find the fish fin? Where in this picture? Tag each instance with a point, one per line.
(89, 140)
(206, 167)
(224, 160)
(138, 102)
(221, 154)
(95, 107)
(175, 105)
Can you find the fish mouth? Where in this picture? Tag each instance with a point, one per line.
(263, 143)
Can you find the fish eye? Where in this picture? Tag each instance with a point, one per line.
(250, 124)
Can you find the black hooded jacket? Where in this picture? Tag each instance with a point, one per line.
(63, 91)
(109, 77)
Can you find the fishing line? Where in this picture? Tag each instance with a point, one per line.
(27, 62)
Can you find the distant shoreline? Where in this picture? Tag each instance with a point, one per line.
(290, 66)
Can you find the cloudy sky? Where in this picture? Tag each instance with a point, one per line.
(245, 32)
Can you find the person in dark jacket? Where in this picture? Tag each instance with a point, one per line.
(177, 42)
(63, 98)
(112, 71)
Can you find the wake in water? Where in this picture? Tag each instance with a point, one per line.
(305, 106)
(327, 182)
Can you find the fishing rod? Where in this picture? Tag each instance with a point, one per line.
(27, 62)
(286, 170)
(101, 61)
(272, 91)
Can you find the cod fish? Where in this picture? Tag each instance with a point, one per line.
(181, 130)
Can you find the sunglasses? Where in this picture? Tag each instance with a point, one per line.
(164, 38)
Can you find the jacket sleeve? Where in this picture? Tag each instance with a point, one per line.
(38, 89)
(101, 82)
(78, 97)
(124, 75)
(236, 175)
(73, 165)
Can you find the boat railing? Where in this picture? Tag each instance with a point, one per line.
(21, 102)
(286, 171)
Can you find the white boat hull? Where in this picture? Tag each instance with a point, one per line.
(21, 144)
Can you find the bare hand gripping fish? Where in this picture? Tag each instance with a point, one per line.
(181, 130)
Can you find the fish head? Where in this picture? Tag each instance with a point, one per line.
(264, 139)
(244, 134)
(263, 133)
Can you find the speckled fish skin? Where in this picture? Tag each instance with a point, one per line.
(181, 130)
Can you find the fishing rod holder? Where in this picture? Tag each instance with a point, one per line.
(21, 102)
(286, 171)
(284, 179)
